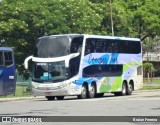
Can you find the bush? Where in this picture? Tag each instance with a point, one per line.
(148, 68)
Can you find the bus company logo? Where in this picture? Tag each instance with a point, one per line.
(6, 119)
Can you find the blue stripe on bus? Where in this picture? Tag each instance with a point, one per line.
(1, 71)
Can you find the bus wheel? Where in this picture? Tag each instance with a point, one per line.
(92, 91)
(123, 92)
(50, 98)
(129, 89)
(83, 94)
(124, 89)
(60, 97)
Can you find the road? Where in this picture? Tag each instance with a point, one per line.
(140, 103)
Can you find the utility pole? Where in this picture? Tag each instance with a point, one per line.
(110, 3)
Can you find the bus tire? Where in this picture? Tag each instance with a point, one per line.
(92, 91)
(60, 97)
(124, 89)
(50, 98)
(123, 92)
(129, 89)
(83, 94)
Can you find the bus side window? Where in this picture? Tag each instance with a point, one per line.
(80, 49)
(74, 66)
(76, 45)
(8, 58)
(1, 58)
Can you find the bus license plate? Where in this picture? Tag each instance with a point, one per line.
(48, 93)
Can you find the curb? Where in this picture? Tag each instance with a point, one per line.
(42, 97)
(151, 84)
(147, 90)
(20, 98)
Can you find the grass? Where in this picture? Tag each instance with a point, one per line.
(150, 87)
(153, 80)
(21, 91)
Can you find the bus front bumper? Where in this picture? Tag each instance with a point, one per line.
(65, 91)
(58, 92)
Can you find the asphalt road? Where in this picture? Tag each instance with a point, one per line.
(140, 103)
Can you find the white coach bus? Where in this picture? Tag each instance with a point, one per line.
(85, 65)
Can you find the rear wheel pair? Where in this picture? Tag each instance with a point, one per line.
(126, 90)
(87, 94)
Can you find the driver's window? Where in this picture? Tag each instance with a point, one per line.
(76, 45)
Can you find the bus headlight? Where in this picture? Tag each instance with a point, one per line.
(35, 87)
(63, 85)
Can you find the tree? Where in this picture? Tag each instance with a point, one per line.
(131, 18)
(148, 69)
(145, 17)
(23, 21)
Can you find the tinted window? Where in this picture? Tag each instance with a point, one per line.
(139, 70)
(102, 70)
(8, 58)
(74, 64)
(112, 46)
(76, 45)
(1, 58)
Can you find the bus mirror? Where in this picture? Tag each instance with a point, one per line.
(26, 62)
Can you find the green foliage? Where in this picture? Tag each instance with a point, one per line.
(150, 87)
(23, 21)
(148, 67)
(146, 18)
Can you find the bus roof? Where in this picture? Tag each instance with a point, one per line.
(6, 49)
(112, 37)
(58, 35)
(96, 36)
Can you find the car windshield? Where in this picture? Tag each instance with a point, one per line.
(51, 72)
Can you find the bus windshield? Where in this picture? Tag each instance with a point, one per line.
(50, 46)
(50, 71)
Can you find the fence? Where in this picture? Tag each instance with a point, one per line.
(23, 87)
